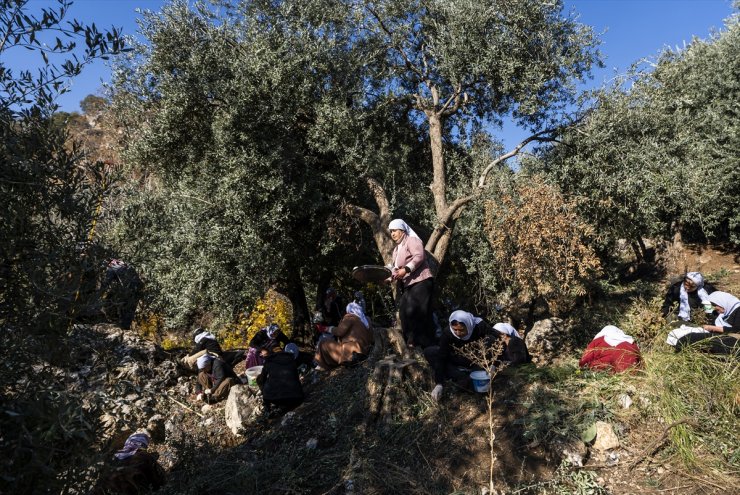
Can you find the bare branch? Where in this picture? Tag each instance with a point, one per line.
(407, 60)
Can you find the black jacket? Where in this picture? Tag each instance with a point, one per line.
(263, 341)
(449, 345)
(210, 345)
(279, 378)
(673, 297)
(515, 352)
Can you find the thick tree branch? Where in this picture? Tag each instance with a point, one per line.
(542, 136)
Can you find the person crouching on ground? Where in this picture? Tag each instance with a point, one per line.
(446, 360)
(263, 343)
(205, 342)
(215, 379)
(515, 350)
(350, 341)
(133, 469)
(691, 293)
(611, 350)
(279, 380)
(725, 332)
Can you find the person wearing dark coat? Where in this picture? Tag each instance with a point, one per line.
(724, 336)
(264, 342)
(332, 307)
(448, 362)
(515, 350)
(133, 470)
(205, 342)
(279, 380)
(215, 379)
(687, 295)
(121, 289)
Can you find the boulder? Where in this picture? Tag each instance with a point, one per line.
(242, 405)
(606, 439)
(547, 340)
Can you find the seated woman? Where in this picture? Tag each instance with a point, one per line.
(263, 343)
(725, 333)
(350, 341)
(611, 350)
(448, 362)
(515, 350)
(690, 293)
(205, 342)
(215, 379)
(279, 380)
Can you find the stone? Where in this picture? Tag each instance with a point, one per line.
(241, 407)
(547, 340)
(606, 439)
(572, 451)
(156, 427)
(312, 443)
(625, 401)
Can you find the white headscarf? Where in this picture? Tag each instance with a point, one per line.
(507, 329)
(727, 301)
(614, 336)
(203, 361)
(684, 310)
(205, 334)
(356, 309)
(466, 319)
(399, 224)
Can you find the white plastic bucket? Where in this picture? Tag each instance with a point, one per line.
(252, 374)
(481, 381)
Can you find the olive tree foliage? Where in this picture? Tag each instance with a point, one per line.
(461, 65)
(658, 155)
(48, 197)
(48, 194)
(245, 129)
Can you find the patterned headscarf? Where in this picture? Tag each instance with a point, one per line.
(272, 330)
(466, 319)
(133, 443)
(356, 310)
(684, 310)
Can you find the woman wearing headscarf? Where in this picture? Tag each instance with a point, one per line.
(215, 379)
(446, 360)
(350, 342)
(279, 380)
(515, 350)
(133, 470)
(263, 343)
(205, 342)
(690, 293)
(416, 283)
(725, 333)
(611, 350)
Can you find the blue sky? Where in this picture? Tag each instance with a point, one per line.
(632, 29)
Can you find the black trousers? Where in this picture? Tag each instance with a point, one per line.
(415, 310)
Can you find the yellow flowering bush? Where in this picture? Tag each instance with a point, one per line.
(273, 307)
(149, 325)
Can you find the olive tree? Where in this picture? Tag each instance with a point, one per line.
(657, 157)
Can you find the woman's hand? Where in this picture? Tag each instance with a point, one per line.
(400, 273)
(713, 328)
(264, 353)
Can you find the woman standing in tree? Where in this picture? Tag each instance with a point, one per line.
(416, 283)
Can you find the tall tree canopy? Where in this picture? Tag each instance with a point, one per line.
(257, 121)
(658, 155)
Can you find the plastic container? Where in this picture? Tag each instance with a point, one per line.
(708, 309)
(481, 381)
(252, 374)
